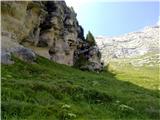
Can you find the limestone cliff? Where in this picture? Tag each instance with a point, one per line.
(140, 47)
(46, 28)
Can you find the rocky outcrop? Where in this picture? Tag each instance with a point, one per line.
(88, 57)
(46, 28)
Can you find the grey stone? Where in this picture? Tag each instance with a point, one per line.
(6, 58)
(24, 54)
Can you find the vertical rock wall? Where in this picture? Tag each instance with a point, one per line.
(47, 28)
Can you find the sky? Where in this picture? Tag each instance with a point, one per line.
(113, 18)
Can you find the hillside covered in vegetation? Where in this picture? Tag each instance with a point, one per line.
(50, 71)
(47, 90)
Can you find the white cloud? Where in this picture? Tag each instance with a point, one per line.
(158, 23)
(76, 3)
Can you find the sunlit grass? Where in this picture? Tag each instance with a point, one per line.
(49, 91)
(145, 76)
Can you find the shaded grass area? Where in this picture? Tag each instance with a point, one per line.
(50, 91)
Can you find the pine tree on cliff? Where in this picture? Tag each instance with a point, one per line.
(90, 39)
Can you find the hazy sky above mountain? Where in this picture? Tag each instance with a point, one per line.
(115, 18)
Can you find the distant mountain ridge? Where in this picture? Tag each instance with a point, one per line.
(130, 45)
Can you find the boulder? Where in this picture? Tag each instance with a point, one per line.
(92, 66)
(24, 54)
(6, 58)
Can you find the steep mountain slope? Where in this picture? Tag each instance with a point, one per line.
(50, 91)
(131, 45)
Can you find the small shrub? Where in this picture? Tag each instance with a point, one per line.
(90, 39)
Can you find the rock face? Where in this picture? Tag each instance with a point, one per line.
(88, 57)
(47, 28)
(131, 45)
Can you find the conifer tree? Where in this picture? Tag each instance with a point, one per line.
(90, 39)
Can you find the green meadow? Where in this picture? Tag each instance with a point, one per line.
(49, 91)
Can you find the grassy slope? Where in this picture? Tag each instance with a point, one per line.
(49, 91)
